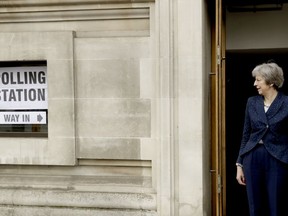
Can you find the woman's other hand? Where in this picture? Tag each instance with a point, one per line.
(240, 176)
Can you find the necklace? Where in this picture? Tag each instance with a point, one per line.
(269, 100)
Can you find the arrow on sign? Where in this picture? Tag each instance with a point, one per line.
(39, 118)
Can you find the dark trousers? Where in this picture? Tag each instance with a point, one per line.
(266, 183)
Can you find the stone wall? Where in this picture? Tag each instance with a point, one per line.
(127, 108)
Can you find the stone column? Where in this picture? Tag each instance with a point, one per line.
(183, 77)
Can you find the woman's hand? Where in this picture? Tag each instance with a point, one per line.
(240, 176)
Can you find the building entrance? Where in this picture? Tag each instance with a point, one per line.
(239, 86)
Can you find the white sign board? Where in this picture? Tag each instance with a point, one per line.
(22, 117)
(23, 88)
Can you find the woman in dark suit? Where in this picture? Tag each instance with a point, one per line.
(262, 164)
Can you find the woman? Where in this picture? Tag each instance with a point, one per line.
(262, 164)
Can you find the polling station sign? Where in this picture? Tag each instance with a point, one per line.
(23, 88)
(23, 117)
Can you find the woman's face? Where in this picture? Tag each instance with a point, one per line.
(261, 85)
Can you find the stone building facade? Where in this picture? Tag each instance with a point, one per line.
(127, 115)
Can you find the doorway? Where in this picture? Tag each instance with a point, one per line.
(239, 86)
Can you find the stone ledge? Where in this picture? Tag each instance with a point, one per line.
(55, 198)
(48, 211)
(91, 183)
(17, 3)
(74, 199)
(74, 15)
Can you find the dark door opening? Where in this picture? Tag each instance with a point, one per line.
(239, 86)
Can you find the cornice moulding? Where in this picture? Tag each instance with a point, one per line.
(75, 15)
(16, 6)
(28, 3)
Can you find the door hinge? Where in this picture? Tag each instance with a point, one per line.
(219, 184)
(218, 55)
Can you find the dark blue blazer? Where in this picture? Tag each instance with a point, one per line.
(271, 127)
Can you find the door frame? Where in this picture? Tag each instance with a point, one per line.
(217, 92)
